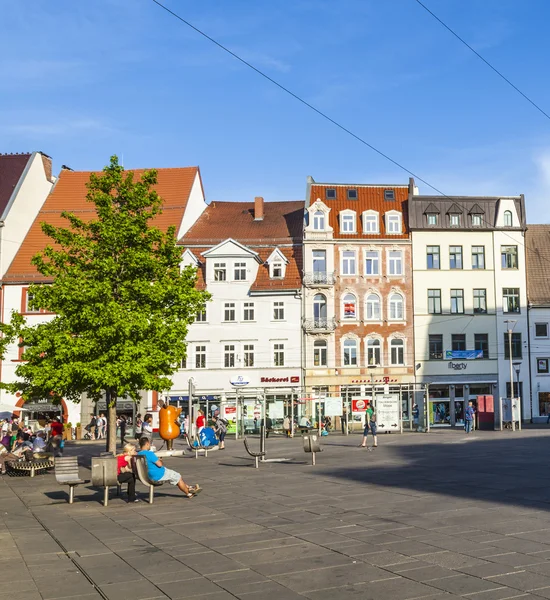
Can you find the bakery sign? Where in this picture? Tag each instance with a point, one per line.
(288, 379)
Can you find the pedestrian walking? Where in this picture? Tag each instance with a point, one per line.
(147, 427)
(344, 420)
(101, 426)
(370, 425)
(138, 425)
(286, 426)
(123, 425)
(220, 427)
(469, 417)
(415, 415)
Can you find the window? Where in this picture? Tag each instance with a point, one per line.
(183, 363)
(347, 222)
(542, 366)
(330, 193)
(278, 355)
(509, 257)
(373, 352)
(229, 311)
(372, 309)
(516, 346)
(350, 353)
(395, 262)
(431, 219)
(457, 301)
(200, 317)
(396, 307)
(248, 311)
(454, 220)
(397, 352)
(318, 220)
(478, 257)
(370, 222)
(458, 342)
(435, 347)
(510, 300)
(277, 270)
(541, 330)
(480, 301)
(393, 223)
(507, 218)
(372, 263)
(389, 195)
(481, 342)
(319, 307)
(432, 257)
(320, 353)
(320, 262)
(434, 302)
(229, 356)
(476, 220)
(352, 194)
(278, 311)
(348, 263)
(455, 257)
(220, 273)
(28, 300)
(240, 271)
(248, 355)
(200, 357)
(350, 307)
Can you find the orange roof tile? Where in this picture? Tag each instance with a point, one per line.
(174, 186)
(293, 272)
(369, 197)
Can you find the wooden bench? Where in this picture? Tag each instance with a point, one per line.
(143, 476)
(255, 455)
(311, 444)
(66, 473)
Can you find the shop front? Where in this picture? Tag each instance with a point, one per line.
(39, 411)
(447, 401)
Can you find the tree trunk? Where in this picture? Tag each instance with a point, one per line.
(111, 421)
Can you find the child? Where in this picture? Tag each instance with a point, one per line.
(157, 472)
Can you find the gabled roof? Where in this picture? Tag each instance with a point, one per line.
(454, 209)
(277, 254)
(537, 250)
(431, 209)
(194, 259)
(476, 210)
(12, 167)
(69, 193)
(220, 249)
(292, 279)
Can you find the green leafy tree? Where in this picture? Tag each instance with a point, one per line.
(122, 303)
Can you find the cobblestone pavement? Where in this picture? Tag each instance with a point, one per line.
(437, 516)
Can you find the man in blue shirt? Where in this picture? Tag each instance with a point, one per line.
(469, 417)
(158, 472)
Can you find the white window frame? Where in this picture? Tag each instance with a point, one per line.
(394, 261)
(320, 349)
(344, 347)
(367, 258)
(400, 346)
(394, 222)
(429, 217)
(371, 217)
(390, 306)
(219, 269)
(278, 311)
(477, 220)
(372, 348)
(200, 356)
(278, 354)
(346, 262)
(508, 213)
(249, 307)
(229, 306)
(319, 220)
(229, 352)
(279, 265)
(343, 307)
(239, 271)
(541, 337)
(373, 305)
(248, 352)
(201, 316)
(348, 221)
(453, 216)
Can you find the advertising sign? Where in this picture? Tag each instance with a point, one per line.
(239, 380)
(467, 354)
(387, 412)
(333, 407)
(359, 404)
(510, 410)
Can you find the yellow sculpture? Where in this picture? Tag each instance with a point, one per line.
(169, 428)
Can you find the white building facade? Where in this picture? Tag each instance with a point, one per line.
(470, 290)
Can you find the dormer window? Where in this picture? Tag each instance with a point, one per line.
(347, 222)
(352, 194)
(330, 193)
(393, 223)
(371, 222)
(507, 218)
(277, 270)
(454, 220)
(431, 219)
(476, 220)
(319, 220)
(389, 195)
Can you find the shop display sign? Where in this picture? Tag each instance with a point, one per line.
(239, 380)
(359, 404)
(333, 407)
(467, 354)
(387, 412)
(510, 410)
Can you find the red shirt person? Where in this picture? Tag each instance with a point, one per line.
(56, 428)
(201, 421)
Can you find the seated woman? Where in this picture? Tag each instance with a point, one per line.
(125, 470)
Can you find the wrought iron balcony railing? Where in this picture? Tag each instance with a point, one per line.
(319, 325)
(319, 278)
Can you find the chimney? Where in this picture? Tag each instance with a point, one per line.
(258, 208)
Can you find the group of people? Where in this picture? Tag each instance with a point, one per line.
(19, 441)
(97, 427)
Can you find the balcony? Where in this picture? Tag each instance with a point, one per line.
(319, 279)
(319, 325)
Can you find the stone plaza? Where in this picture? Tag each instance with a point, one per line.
(436, 516)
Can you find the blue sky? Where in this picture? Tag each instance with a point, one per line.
(84, 80)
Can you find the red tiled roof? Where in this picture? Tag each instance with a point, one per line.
(369, 197)
(281, 228)
(537, 248)
(11, 169)
(69, 193)
(283, 221)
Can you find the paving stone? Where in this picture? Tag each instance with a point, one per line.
(190, 588)
(140, 589)
(523, 580)
(464, 584)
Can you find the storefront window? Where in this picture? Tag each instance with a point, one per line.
(483, 389)
(440, 409)
(544, 404)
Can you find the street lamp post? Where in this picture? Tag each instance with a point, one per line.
(510, 330)
(517, 367)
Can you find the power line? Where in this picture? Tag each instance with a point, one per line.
(501, 75)
(296, 97)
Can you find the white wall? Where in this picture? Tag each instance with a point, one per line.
(540, 349)
(195, 207)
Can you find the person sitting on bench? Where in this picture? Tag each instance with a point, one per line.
(157, 472)
(125, 472)
(305, 423)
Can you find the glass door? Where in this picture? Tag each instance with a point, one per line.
(440, 405)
